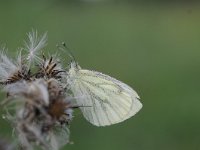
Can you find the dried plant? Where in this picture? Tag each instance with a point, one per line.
(36, 105)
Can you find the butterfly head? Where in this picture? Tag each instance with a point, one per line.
(73, 68)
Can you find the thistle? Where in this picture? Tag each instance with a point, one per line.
(37, 105)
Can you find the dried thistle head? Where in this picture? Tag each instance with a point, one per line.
(49, 68)
(12, 71)
(37, 104)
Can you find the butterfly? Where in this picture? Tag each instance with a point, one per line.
(110, 101)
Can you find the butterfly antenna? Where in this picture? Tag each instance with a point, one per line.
(67, 50)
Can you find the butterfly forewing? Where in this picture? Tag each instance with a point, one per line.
(108, 100)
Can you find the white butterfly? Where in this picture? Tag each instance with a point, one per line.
(111, 101)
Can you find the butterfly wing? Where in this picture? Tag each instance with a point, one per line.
(107, 100)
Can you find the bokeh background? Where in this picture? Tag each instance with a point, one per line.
(154, 46)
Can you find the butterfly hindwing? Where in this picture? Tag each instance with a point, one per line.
(107, 101)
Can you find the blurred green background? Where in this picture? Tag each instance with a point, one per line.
(152, 46)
